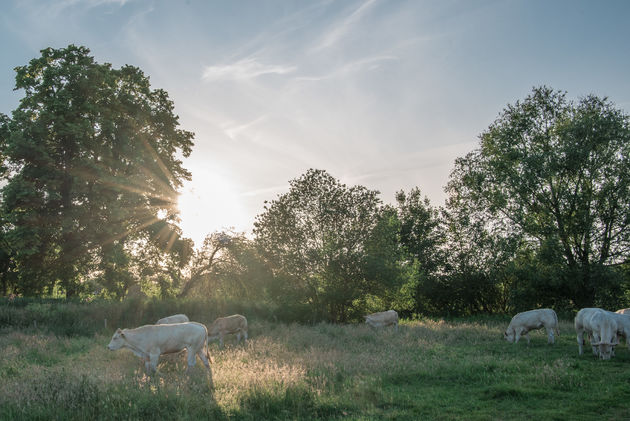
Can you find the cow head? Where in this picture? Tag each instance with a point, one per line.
(118, 340)
(606, 349)
(509, 336)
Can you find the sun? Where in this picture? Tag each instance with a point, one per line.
(207, 204)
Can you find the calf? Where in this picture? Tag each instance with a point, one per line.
(522, 323)
(382, 319)
(150, 341)
(228, 325)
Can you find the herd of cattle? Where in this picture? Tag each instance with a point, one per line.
(176, 333)
(602, 327)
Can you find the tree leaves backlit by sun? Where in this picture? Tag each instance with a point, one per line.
(92, 156)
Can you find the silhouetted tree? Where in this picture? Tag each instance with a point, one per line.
(93, 157)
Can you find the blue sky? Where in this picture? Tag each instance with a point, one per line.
(385, 94)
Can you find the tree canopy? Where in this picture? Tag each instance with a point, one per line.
(556, 175)
(92, 157)
(327, 244)
(90, 162)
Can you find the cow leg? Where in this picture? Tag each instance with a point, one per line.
(221, 339)
(550, 338)
(527, 337)
(517, 336)
(245, 337)
(580, 341)
(203, 357)
(238, 336)
(396, 325)
(192, 357)
(154, 357)
(595, 338)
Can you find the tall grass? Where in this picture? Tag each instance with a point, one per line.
(78, 318)
(430, 369)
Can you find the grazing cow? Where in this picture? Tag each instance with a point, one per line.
(623, 325)
(382, 319)
(623, 311)
(601, 328)
(228, 325)
(522, 323)
(150, 341)
(176, 318)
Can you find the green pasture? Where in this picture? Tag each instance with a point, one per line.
(430, 369)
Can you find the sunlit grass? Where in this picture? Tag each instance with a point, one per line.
(431, 369)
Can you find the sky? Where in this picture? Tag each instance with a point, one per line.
(381, 93)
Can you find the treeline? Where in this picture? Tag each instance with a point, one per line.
(537, 215)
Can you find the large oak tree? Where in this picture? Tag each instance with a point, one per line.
(93, 159)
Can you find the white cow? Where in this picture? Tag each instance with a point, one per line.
(176, 318)
(150, 341)
(382, 319)
(601, 328)
(522, 323)
(623, 311)
(623, 325)
(228, 325)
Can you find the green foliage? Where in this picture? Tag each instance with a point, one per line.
(422, 239)
(93, 162)
(551, 176)
(228, 266)
(327, 244)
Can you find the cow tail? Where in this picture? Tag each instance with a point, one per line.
(556, 327)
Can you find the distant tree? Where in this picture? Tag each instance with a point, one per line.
(421, 234)
(555, 174)
(472, 278)
(327, 244)
(228, 266)
(215, 256)
(93, 158)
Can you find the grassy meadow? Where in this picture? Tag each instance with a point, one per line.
(430, 369)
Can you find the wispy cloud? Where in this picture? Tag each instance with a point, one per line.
(266, 191)
(57, 8)
(341, 28)
(233, 130)
(249, 68)
(366, 63)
